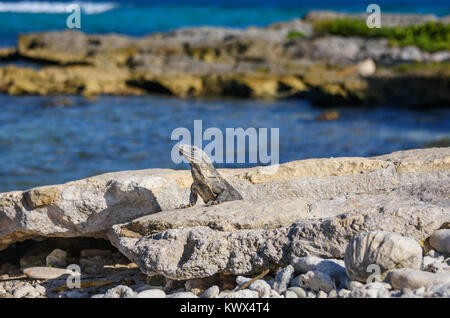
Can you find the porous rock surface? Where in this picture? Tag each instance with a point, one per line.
(409, 196)
(304, 208)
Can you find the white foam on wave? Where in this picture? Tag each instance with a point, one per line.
(55, 7)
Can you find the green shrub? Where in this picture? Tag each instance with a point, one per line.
(294, 35)
(430, 36)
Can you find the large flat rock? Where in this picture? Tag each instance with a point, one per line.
(297, 191)
(200, 251)
(285, 59)
(297, 211)
(88, 207)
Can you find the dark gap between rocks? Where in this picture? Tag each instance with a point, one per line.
(73, 246)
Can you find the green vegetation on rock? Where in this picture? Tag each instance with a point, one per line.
(430, 36)
(294, 35)
(420, 67)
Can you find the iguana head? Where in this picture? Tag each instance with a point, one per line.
(195, 156)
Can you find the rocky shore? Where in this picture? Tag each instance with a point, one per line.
(283, 60)
(331, 227)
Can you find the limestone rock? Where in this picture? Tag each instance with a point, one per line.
(439, 290)
(57, 258)
(383, 250)
(152, 293)
(182, 295)
(300, 292)
(211, 292)
(308, 207)
(262, 287)
(440, 241)
(245, 293)
(120, 291)
(282, 279)
(89, 207)
(333, 267)
(25, 290)
(413, 279)
(290, 294)
(46, 272)
(193, 252)
(316, 281)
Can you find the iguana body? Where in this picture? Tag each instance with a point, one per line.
(208, 183)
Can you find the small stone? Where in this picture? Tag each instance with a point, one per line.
(146, 287)
(244, 293)
(262, 287)
(333, 294)
(25, 290)
(395, 293)
(427, 261)
(211, 292)
(46, 272)
(381, 251)
(290, 294)
(274, 294)
(439, 290)
(300, 292)
(432, 253)
(316, 281)
(353, 284)
(120, 291)
(378, 285)
(152, 293)
(440, 241)
(182, 295)
(57, 258)
(41, 290)
(222, 294)
(344, 293)
(311, 294)
(322, 294)
(419, 291)
(197, 291)
(333, 267)
(407, 291)
(241, 280)
(435, 265)
(364, 293)
(282, 279)
(413, 279)
(33, 260)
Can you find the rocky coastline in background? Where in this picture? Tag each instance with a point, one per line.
(331, 227)
(299, 58)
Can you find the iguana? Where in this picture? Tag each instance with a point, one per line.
(208, 183)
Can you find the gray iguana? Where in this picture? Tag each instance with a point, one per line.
(208, 183)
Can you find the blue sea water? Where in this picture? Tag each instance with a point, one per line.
(45, 145)
(42, 145)
(140, 17)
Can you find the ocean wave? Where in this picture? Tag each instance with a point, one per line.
(55, 7)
